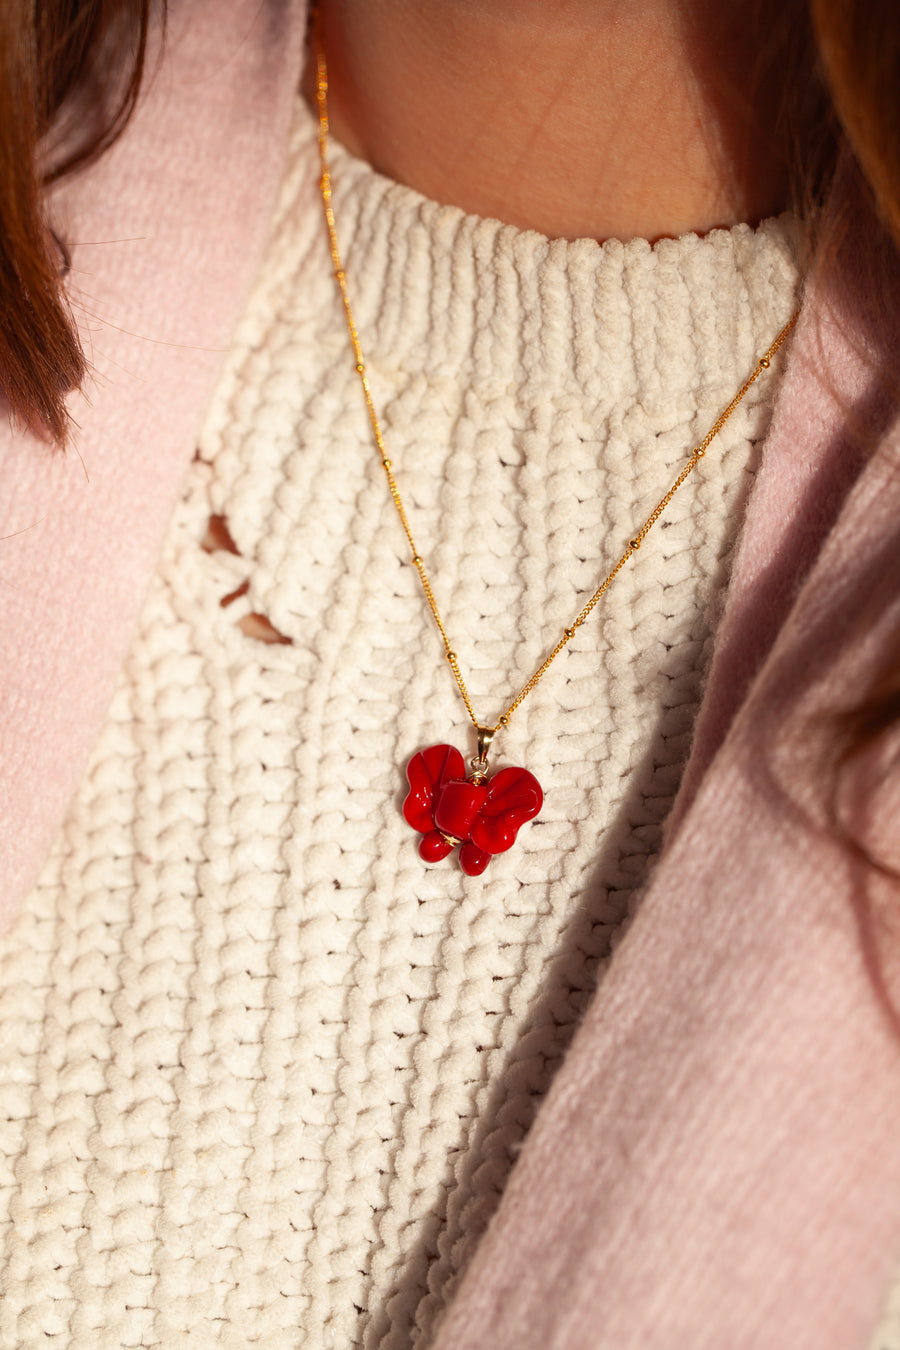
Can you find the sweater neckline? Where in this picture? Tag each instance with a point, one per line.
(361, 176)
(470, 298)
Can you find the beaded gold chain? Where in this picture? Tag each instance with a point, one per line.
(431, 789)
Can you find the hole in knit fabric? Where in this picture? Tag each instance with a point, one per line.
(218, 539)
(258, 626)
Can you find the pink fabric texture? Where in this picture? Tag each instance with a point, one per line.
(718, 1161)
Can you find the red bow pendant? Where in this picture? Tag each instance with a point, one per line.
(482, 814)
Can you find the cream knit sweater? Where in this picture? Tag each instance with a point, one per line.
(269, 1071)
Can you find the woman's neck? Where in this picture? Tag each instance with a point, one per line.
(596, 118)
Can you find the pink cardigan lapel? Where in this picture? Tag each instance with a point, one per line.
(166, 236)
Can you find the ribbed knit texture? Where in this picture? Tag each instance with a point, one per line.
(266, 1071)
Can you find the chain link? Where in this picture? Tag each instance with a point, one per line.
(416, 559)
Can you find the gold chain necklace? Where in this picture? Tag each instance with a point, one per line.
(447, 806)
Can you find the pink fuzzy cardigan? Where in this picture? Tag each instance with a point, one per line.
(718, 1162)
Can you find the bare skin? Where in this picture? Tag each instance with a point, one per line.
(577, 118)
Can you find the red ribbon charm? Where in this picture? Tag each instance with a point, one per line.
(481, 814)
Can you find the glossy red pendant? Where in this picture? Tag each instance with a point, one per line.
(481, 814)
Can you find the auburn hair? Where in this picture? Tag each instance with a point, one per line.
(70, 75)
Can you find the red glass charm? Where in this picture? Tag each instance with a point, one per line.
(483, 815)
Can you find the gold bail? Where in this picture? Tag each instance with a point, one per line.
(485, 737)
